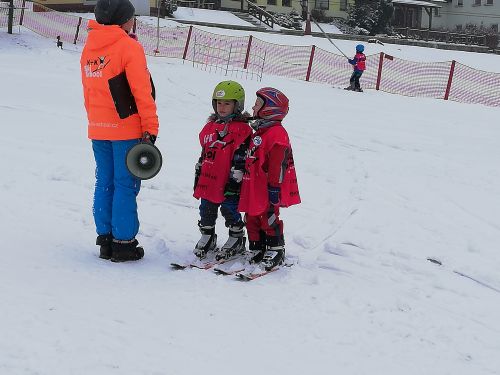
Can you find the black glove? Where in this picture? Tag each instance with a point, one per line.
(197, 172)
(274, 195)
(148, 138)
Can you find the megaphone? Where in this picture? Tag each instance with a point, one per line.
(144, 160)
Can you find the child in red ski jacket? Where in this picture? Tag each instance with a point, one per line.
(269, 181)
(359, 65)
(219, 171)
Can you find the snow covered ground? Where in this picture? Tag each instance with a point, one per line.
(386, 182)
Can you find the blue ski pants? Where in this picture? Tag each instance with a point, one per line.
(115, 205)
(228, 209)
(356, 75)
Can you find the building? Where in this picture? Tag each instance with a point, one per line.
(142, 7)
(455, 14)
(331, 8)
(446, 14)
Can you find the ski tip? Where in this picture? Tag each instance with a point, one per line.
(221, 272)
(435, 261)
(177, 266)
(243, 277)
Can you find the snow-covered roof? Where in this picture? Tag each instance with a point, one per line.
(417, 3)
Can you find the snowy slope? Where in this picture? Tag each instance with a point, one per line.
(386, 181)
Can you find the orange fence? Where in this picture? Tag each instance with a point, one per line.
(441, 80)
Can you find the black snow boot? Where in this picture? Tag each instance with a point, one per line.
(104, 241)
(124, 251)
(275, 253)
(207, 242)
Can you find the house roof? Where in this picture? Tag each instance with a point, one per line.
(418, 3)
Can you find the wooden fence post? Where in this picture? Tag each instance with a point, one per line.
(77, 29)
(311, 58)
(247, 57)
(10, 22)
(379, 74)
(187, 42)
(450, 79)
(22, 13)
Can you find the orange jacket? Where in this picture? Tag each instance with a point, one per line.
(108, 52)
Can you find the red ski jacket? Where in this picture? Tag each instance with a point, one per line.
(254, 198)
(358, 62)
(219, 142)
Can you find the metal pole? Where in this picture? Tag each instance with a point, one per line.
(450, 79)
(157, 50)
(327, 37)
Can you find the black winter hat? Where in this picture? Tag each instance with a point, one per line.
(113, 12)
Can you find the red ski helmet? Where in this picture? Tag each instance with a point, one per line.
(275, 105)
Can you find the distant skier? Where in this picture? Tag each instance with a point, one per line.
(359, 65)
(269, 181)
(219, 170)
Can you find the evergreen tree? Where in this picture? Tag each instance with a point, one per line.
(372, 15)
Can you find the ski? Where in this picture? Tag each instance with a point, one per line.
(249, 276)
(231, 267)
(202, 264)
(256, 271)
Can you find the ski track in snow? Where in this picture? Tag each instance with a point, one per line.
(383, 188)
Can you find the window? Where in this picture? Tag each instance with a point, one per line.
(322, 4)
(271, 2)
(489, 2)
(476, 3)
(459, 27)
(494, 27)
(343, 5)
(286, 3)
(460, 3)
(437, 12)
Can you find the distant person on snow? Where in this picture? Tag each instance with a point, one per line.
(269, 181)
(219, 170)
(359, 65)
(113, 62)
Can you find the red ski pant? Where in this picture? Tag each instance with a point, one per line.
(267, 222)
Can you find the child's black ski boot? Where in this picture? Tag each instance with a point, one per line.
(235, 244)
(275, 253)
(104, 241)
(350, 87)
(207, 242)
(124, 251)
(256, 249)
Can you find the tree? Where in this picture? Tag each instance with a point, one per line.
(372, 15)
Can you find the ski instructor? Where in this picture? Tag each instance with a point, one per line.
(121, 112)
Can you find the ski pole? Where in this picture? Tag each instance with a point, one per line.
(327, 37)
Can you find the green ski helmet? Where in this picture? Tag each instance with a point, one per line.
(229, 90)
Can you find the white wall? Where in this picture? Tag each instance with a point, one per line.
(452, 14)
(141, 7)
